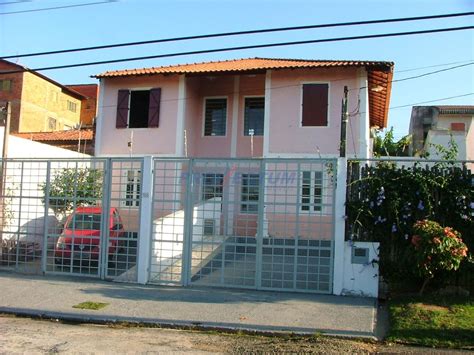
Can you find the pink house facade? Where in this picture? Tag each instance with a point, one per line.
(266, 97)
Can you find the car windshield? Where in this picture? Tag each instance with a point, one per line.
(85, 221)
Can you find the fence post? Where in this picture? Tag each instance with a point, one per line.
(44, 253)
(144, 240)
(339, 226)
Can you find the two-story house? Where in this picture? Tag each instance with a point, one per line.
(38, 103)
(265, 223)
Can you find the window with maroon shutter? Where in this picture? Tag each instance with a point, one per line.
(138, 108)
(315, 105)
(122, 109)
(154, 108)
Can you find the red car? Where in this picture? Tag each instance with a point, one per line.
(80, 238)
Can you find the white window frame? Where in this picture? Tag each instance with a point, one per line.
(242, 132)
(323, 206)
(205, 98)
(135, 183)
(301, 104)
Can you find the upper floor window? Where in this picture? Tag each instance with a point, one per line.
(71, 106)
(138, 108)
(315, 105)
(5, 85)
(254, 116)
(215, 117)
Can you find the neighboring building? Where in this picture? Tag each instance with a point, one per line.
(431, 125)
(38, 103)
(81, 141)
(292, 107)
(89, 104)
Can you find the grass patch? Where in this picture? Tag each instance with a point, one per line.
(435, 321)
(90, 305)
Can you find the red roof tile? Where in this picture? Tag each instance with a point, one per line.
(71, 135)
(242, 65)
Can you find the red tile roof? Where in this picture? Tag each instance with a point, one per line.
(455, 109)
(243, 65)
(71, 135)
(379, 75)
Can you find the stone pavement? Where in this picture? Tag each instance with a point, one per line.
(201, 308)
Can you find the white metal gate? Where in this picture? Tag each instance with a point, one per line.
(75, 217)
(246, 223)
(255, 223)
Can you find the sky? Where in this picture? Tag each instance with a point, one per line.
(98, 22)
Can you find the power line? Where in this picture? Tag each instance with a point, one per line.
(15, 2)
(432, 66)
(56, 7)
(238, 33)
(431, 73)
(426, 102)
(228, 49)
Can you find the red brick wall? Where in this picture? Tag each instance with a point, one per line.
(14, 96)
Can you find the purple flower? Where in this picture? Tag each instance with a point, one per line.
(394, 228)
(421, 207)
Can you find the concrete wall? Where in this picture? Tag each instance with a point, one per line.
(25, 148)
(361, 279)
(440, 134)
(23, 215)
(168, 233)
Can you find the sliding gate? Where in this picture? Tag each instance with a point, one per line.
(258, 224)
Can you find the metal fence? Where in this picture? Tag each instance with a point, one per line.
(76, 217)
(246, 223)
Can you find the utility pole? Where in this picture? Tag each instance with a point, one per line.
(5, 113)
(344, 119)
(5, 120)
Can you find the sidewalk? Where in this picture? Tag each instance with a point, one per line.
(203, 308)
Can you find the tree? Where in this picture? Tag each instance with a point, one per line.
(387, 146)
(72, 187)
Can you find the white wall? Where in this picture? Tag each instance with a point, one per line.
(361, 279)
(25, 148)
(24, 209)
(168, 233)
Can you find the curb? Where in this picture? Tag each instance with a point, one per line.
(181, 325)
